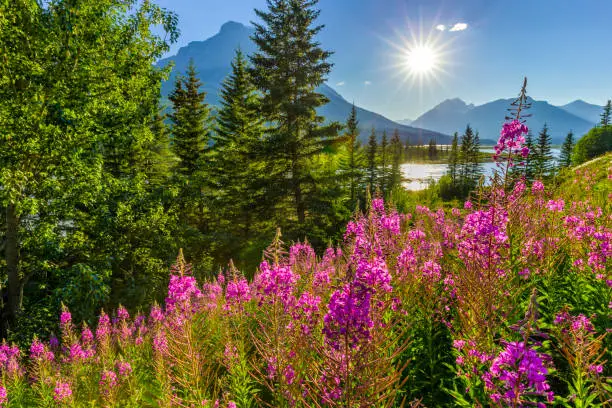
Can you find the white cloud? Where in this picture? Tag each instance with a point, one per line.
(341, 83)
(440, 27)
(367, 83)
(459, 27)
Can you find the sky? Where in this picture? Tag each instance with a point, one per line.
(482, 53)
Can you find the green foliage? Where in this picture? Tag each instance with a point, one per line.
(371, 161)
(469, 168)
(285, 40)
(606, 115)
(565, 160)
(190, 122)
(352, 161)
(542, 158)
(76, 99)
(235, 167)
(395, 147)
(595, 143)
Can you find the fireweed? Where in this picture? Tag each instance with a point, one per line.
(411, 307)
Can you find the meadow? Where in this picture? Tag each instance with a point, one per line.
(506, 302)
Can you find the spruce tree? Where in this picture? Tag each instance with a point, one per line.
(453, 160)
(371, 153)
(287, 68)
(469, 167)
(565, 159)
(530, 160)
(190, 122)
(543, 160)
(606, 115)
(395, 177)
(384, 172)
(475, 166)
(236, 171)
(351, 162)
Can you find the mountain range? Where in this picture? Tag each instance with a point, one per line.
(212, 58)
(452, 115)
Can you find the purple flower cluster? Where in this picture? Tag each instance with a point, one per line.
(518, 376)
(348, 318)
(483, 236)
(511, 141)
(182, 294)
(62, 391)
(275, 283)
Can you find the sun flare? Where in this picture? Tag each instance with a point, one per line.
(421, 59)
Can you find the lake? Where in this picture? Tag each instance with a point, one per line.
(418, 175)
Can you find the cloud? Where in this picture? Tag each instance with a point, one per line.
(440, 27)
(367, 83)
(341, 83)
(459, 27)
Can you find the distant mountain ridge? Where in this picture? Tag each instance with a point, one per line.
(453, 115)
(212, 58)
(584, 110)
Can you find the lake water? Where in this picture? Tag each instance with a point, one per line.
(418, 175)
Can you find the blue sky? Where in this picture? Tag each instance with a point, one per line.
(564, 47)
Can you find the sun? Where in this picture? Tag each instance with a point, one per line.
(421, 59)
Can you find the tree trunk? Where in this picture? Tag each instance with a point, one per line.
(11, 252)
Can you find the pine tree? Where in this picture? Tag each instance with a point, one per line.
(395, 178)
(235, 167)
(565, 160)
(157, 160)
(351, 162)
(606, 115)
(384, 172)
(287, 68)
(475, 166)
(453, 160)
(371, 157)
(190, 122)
(543, 161)
(469, 167)
(530, 160)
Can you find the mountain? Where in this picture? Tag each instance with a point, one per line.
(453, 115)
(584, 110)
(212, 58)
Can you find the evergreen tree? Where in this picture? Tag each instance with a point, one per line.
(543, 161)
(190, 122)
(453, 160)
(606, 114)
(351, 163)
(236, 171)
(530, 160)
(565, 160)
(371, 164)
(469, 167)
(384, 172)
(475, 166)
(287, 68)
(157, 159)
(395, 178)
